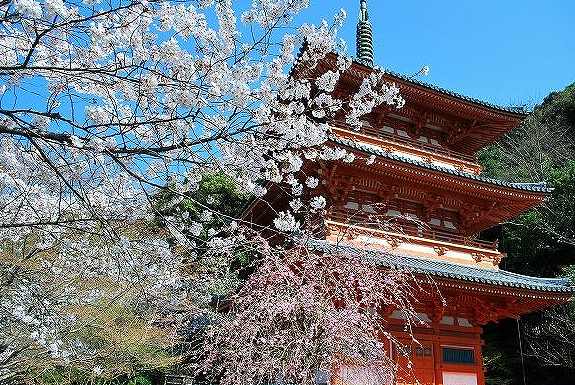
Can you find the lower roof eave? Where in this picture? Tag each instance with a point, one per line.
(529, 188)
(497, 290)
(489, 281)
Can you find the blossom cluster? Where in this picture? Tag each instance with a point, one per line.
(294, 319)
(131, 101)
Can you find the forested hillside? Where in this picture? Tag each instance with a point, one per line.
(541, 243)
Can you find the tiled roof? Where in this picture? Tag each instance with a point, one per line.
(512, 109)
(445, 269)
(519, 110)
(532, 187)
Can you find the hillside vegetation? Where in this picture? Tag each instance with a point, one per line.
(541, 242)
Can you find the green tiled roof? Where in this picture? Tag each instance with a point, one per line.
(532, 187)
(445, 269)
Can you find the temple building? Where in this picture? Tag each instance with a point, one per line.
(422, 197)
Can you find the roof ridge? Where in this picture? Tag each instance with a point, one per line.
(512, 109)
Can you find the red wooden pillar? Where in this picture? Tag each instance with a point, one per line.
(480, 373)
(437, 361)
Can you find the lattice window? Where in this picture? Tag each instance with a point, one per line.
(458, 355)
(446, 219)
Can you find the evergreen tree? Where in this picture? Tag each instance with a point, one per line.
(541, 242)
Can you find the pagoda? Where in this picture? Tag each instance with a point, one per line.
(421, 197)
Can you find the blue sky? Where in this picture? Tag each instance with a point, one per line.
(502, 51)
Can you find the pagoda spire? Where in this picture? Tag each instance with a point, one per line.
(364, 36)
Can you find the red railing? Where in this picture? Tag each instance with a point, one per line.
(381, 134)
(403, 226)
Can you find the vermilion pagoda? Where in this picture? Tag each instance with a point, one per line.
(426, 181)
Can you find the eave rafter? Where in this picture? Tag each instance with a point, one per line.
(469, 124)
(480, 207)
(480, 304)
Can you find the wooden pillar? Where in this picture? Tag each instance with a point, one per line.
(437, 359)
(480, 369)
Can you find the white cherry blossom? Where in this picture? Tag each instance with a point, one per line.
(311, 182)
(317, 203)
(111, 114)
(286, 222)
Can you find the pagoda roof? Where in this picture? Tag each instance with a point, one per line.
(529, 187)
(444, 269)
(470, 123)
(519, 110)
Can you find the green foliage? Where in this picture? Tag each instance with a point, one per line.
(490, 159)
(500, 369)
(219, 193)
(216, 193)
(543, 143)
(140, 379)
(58, 376)
(559, 108)
(122, 339)
(561, 206)
(126, 350)
(540, 242)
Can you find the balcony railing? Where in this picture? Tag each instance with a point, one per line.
(381, 134)
(444, 236)
(402, 226)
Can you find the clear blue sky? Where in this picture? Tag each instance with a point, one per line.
(502, 51)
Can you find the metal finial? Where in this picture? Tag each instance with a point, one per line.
(364, 36)
(363, 16)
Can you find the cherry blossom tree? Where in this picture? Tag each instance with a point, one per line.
(306, 315)
(111, 113)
